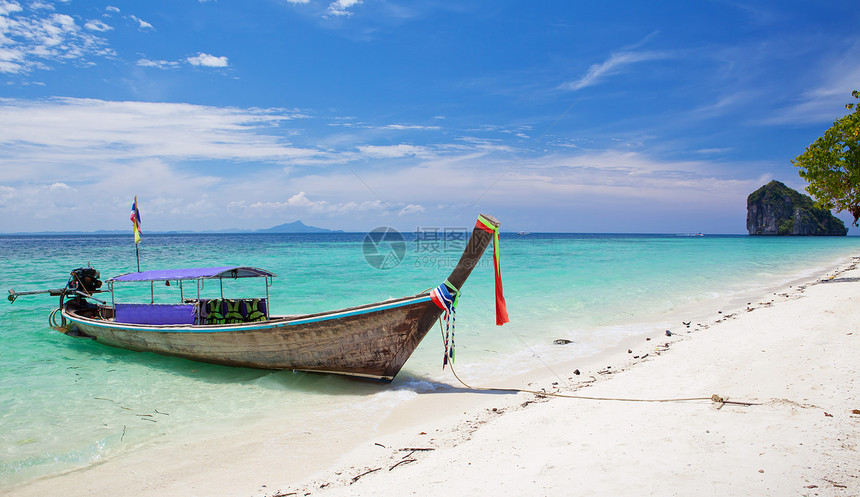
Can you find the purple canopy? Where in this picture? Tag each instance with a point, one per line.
(193, 274)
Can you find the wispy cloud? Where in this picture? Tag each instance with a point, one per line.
(615, 64)
(160, 64)
(392, 151)
(225, 166)
(825, 102)
(301, 204)
(68, 130)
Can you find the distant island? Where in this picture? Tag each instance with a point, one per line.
(294, 227)
(776, 209)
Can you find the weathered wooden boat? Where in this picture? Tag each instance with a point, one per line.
(369, 341)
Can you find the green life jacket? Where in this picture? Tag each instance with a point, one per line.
(214, 316)
(254, 313)
(233, 314)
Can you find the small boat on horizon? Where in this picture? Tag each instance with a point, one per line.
(371, 341)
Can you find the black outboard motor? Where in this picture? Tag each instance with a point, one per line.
(85, 279)
(83, 283)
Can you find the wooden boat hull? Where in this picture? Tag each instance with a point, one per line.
(372, 341)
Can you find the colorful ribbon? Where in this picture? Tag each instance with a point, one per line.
(446, 297)
(501, 307)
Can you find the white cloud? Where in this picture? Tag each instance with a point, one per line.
(97, 25)
(78, 131)
(225, 167)
(408, 127)
(7, 8)
(341, 7)
(411, 209)
(31, 40)
(161, 64)
(391, 151)
(199, 60)
(141, 24)
(347, 123)
(41, 5)
(613, 65)
(206, 60)
(112, 9)
(299, 204)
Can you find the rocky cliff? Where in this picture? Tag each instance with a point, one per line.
(776, 209)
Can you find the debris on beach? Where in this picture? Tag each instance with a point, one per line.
(356, 478)
(562, 341)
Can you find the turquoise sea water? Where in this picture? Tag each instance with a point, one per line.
(68, 403)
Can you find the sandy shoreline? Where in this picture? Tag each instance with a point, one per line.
(795, 354)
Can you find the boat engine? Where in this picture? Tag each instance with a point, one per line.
(84, 279)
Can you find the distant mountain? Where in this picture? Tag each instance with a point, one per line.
(295, 227)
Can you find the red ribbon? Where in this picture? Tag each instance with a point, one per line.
(501, 306)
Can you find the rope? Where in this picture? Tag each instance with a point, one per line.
(714, 398)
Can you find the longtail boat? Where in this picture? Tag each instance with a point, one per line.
(370, 341)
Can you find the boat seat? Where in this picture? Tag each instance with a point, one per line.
(155, 313)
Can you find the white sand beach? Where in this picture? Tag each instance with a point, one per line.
(792, 355)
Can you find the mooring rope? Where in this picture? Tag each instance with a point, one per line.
(713, 398)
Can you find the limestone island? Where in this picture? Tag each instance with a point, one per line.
(776, 209)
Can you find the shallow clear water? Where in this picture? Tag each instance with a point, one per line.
(67, 403)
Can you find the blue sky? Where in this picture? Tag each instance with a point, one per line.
(571, 116)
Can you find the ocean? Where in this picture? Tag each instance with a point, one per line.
(69, 403)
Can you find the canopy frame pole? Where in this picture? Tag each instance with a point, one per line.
(268, 281)
(199, 310)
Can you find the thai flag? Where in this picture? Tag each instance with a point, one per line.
(135, 220)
